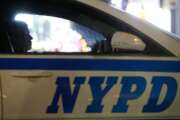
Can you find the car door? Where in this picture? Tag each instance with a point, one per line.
(19, 99)
(92, 75)
(71, 88)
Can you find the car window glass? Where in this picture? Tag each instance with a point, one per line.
(52, 34)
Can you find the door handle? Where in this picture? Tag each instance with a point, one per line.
(32, 75)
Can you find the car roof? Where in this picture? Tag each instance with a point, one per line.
(160, 36)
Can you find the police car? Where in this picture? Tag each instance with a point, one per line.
(131, 70)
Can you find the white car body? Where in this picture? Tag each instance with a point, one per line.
(73, 87)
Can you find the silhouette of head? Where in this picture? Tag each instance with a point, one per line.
(20, 37)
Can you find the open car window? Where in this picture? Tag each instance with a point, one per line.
(53, 34)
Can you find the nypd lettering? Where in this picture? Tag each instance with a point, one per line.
(69, 97)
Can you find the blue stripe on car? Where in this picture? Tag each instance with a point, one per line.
(89, 64)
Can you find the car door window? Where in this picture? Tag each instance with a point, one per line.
(53, 34)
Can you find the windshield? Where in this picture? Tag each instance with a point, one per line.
(160, 14)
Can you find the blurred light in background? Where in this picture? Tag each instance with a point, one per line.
(116, 3)
(157, 12)
(52, 34)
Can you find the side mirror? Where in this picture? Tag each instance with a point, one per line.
(127, 41)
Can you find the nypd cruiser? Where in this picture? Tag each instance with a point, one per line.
(129, 70)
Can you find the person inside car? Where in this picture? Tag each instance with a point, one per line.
(20, 37)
